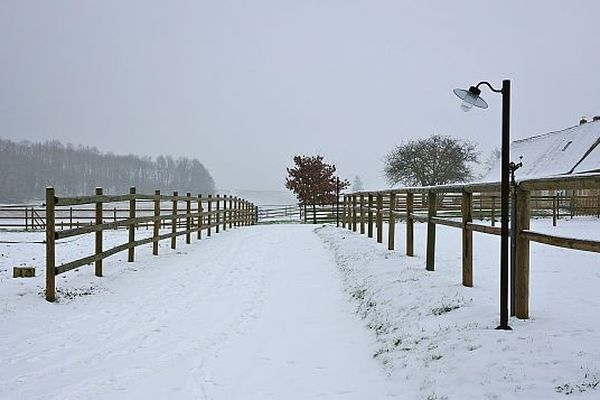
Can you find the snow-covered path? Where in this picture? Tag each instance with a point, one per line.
(254, 313)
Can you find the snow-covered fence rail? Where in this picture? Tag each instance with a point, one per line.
(558, 205)
(278, 212)
(22, 216)
(210, 213)
(320, 213)
(454, 206)
(309, 213)
(33, 217)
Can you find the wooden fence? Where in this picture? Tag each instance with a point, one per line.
(456, 206)
(278, 213)
(485, 206)
(210, 213)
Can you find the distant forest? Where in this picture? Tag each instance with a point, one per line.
(26, 169)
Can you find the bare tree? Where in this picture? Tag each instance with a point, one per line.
(492, 161)
(357, 184)
(27, 168)
(435, 160)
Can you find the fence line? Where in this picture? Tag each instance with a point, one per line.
(456, 206)
(486, 205)
(235, 212)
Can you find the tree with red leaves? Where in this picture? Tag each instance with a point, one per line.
(313, 182)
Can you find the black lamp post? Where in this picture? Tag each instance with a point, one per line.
(470, 99)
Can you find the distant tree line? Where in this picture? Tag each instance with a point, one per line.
(26, 169)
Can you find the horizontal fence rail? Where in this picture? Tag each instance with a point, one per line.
(186, 215)
(561, 204)
(459, 206)
(276, 213)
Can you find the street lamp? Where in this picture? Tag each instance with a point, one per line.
(471, 99)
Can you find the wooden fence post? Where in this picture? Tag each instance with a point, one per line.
(370, 215)
(70, 217)
(209, 216)
(230, 217)
(50, 245)
(188, 218)
(431, 212)
(362, 213)
(224, 220)
(354, 213)
(246, 213)
(522, 255)
(410, 225)
(379, 218)
(344, 211)
(493, 210)
(131, 249)
(467, 239)
(218, 214)
(237, 212)
(350, 212)
(199, 233)
(243, 213)
(554, 209)
(99, 221)
(224, 212)
(233, 206)
(156, 230)
(392, 222)
(174, 221)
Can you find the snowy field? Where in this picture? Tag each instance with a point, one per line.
(298, 312)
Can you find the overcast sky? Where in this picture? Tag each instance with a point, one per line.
(245, 85)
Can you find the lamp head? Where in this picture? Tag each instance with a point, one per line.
(470, 98)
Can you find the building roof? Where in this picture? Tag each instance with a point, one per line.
(570, 151)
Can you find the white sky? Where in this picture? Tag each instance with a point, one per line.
(245, 85)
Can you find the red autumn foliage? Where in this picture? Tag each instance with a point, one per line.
(312, 180)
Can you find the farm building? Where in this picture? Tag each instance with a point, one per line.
(571, 151)
(575, 150)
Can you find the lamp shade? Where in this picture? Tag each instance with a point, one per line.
(470, 98)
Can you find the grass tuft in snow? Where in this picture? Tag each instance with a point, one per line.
(438, 337)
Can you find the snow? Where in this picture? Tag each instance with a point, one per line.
(253, 313)
(554, 153)
(591, 163)
(298, 312)
(438, 336)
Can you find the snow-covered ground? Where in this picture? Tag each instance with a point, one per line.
(298, 312)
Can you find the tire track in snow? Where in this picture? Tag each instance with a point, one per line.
(251, 313)
(132, 325)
